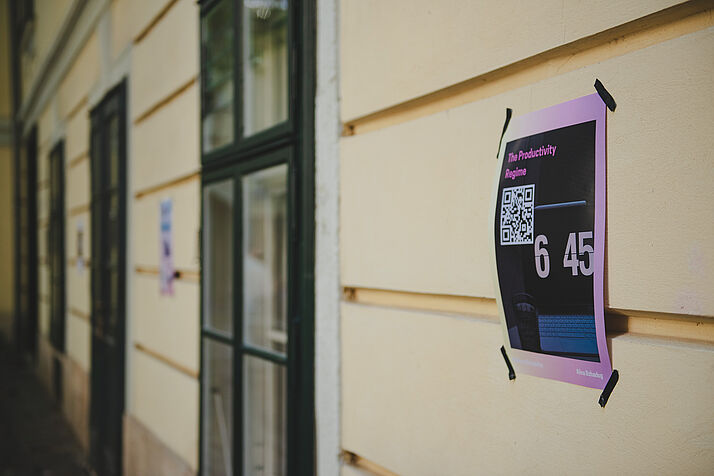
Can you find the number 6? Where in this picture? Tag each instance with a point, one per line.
(540, 251)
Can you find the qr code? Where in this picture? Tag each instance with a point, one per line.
(517, 215)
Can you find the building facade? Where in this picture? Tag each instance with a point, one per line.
(253, 237)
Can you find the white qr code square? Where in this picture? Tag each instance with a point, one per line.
(517, 215)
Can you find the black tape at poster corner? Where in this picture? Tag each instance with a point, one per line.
(605, 95)
(509, 113)
(511, 372)
(605, 395)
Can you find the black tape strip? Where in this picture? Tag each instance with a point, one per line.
(605, 96)
(511, 372)
(605, 395)
(509, 113)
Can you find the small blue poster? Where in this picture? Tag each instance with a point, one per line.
(166, 264)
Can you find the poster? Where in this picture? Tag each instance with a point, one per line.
(549, 240)
(80, 245)
(166, 264)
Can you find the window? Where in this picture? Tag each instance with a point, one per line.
(25, 11)
(55, 247)
(217, 83)
(24, 19)
(257, 414)
(245, 74)
(265, 64)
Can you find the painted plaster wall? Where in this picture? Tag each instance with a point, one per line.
(122, 39)
(49, 17)
(165, 161)
(427, 393)
(443, 191)
(416, 47)
(64, 117)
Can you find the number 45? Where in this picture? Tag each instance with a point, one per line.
(570, 259)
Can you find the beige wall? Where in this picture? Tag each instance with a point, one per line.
(425, 392)
(49, 17)
(165, 161)
(399, 50)
(77, 203)
(114, 40)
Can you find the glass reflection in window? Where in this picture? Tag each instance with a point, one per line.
(217, 80)
(217, 409)
(265, 64)
(264, 418)
(265, 258)
(218, 256)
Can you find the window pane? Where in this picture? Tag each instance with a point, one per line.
(113, 131)
(112, 239)
(264, 418)
(217, 413)
(265, 64)
(218, 256)
(265, 258)
(217, 80)
(96, 160)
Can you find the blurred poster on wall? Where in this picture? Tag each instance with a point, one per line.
(79, 243)
(166, 264)
(549, 241)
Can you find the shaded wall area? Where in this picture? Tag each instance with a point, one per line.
(7, 189)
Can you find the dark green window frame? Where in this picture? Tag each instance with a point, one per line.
(278, 135)
(108, 238)
(26, 243)
(292, 143)
(24, 16)
(56, 256)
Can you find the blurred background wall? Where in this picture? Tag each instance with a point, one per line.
(7, 188)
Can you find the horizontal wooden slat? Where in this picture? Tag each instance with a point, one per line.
(154, 21)
(77, 107)
(163, 359)
(78, 159)
(474, 306)
(73, 262)
(78, 210)
(170, 184)
(183, 274)
(617, 321)
(77, 313)
(163, 102)
(358, 461)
